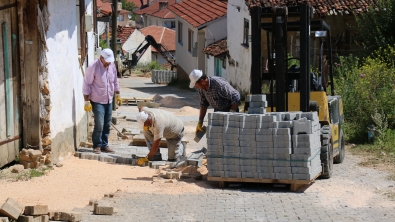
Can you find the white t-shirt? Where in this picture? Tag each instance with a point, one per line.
(164, 124)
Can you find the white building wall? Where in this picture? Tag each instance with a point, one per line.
(68, 118)
(210, 70)
(158, 57)
(216, 31)
(131, 44)
(184, 57)
(238, 75)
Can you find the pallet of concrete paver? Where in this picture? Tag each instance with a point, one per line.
(295, 184)
(139, 140)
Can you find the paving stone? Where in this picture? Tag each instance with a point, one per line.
(11, 208)
(36, 210)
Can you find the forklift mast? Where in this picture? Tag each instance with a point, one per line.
(150, 41)
(278, 71)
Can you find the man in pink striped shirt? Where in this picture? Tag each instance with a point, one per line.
(100, 83)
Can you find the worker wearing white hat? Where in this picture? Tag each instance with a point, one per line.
(156, 124)
(214, 91)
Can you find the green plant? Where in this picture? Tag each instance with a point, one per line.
(31, 173)
(154, 65)
(103, 43)
(129, 6)
(380, 126)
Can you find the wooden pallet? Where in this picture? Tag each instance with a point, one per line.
(295, 184)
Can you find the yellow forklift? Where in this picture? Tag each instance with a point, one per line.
(296, 83)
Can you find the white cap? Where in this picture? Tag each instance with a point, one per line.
(108, 55)
(194, 76)
(141, 118)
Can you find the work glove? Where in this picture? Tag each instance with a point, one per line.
(88, 106)
(199, 127)
(141, 161)
(118, 99)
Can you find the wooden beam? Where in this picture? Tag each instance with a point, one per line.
(30, 84)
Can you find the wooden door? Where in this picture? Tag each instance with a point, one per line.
(10, 94)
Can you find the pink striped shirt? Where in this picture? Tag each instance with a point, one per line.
(100, 83)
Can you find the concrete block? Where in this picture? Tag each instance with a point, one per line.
(306, 151)
(265, 125)
(282, 176)
(244, 139)
(248, 162)
(92, 201)
(248, 125)
(282, 124)
(231, 130)
(283, 132)
(232, 149)
(36, 210)
(264, 169)
(233, 124)
(125, 160)
(248, 150)
(232, 142)
(66, 216)
(265, 175)
(212, 136)
(12, 209)
(200, 134)
(215, 167)
(289, 116)
(307, 176)
(216, 173)
(173, 175)
(287, 170)
(244, 155)
(268, 118)
(302, 126)
(215, 152)
(216, 141)
(215, 129)
(313, 116)
(282, 150)
(216, 122)
(195, 159)
(302, 170)
(217, 115)
(264, 150)
(107, 159)
(246, 132)
(4, 219)
(282, 142)
(282, 163)
(264, 162)
(231, 161)
(282, 157)
(256, 110)
(256, 98)
(253, 118)
(248, 168)
(231, 167)
(258, 104)
(247, 174)
(232, 174)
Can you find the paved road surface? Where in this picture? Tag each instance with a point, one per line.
(354, 193)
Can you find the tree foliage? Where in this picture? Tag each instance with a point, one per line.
(129, 6)
(376, 27)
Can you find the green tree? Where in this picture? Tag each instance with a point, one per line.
(375, 27)
(129, 6)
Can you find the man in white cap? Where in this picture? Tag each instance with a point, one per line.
(100, 83)
(214, 91)
(156, 124)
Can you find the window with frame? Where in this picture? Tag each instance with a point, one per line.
(173, 24)
(246, 31)
(190, 40)
(179, 32)
(120, 18)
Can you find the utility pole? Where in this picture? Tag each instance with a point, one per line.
(114, 16)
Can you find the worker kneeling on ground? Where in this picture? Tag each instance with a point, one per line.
(214, 91)
(156, 124)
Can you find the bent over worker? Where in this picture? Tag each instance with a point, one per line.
(214, 91)
(156, 124)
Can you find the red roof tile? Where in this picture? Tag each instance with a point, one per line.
(322, 7)
(123, 33)
(217, 48)
(105, 6)
(197, 12)
(162, 35)
(154, 7)
(165, 14)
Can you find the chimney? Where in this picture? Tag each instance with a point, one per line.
(163, 5)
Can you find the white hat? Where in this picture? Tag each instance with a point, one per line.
(141, 118)
(108, 55)
(194, 76)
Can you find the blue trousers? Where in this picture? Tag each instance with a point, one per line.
(101, 131)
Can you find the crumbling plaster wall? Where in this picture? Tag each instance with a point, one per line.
(239, 69)
(67, 116)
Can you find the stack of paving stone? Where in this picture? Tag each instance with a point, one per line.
(278, 145)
